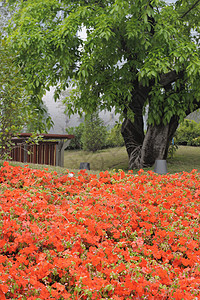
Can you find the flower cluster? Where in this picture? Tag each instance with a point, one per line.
(116, 236)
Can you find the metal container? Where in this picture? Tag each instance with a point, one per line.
(160, 166)
(84, 166)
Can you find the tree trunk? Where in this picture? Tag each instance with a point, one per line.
(144, 150)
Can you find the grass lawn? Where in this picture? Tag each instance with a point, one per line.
(185, 159)
(107, 159)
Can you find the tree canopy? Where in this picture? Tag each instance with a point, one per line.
(136, 53)
(17, 111)
(126, 40)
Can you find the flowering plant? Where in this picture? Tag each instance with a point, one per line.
(119, 236)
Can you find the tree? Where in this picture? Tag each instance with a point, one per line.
(94, 133)
(13, 100)
(137, 54)
(16, 110)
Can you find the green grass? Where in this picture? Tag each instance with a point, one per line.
(185, 159)
(107, 159)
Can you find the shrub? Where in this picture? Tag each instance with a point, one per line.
(114, 138)
(172, 148)
(109, 139)
(187, 133)
(94, 133)
(77, 131)
(196, 141)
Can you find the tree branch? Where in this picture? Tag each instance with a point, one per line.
(170, 77)
(193, 6)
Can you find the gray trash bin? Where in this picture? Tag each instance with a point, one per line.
(84, 166)
(160, 166)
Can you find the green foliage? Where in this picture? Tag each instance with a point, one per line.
(76, 142)
(39, 120)
(94, 133)
(14, 100)
(114, 137)
(127, 43)
(17, 113)
(196, 141)
(172, 148)
(188, 133)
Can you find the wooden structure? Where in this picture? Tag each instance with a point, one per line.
(49, 150)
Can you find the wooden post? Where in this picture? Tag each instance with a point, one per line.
(46, 149)
(60, 147)
(25, 153)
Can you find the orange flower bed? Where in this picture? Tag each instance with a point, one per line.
(119, 236)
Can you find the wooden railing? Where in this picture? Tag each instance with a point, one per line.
(49, 151)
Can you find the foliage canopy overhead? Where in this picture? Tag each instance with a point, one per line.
(128, 43)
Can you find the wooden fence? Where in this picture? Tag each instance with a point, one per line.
(49, 151)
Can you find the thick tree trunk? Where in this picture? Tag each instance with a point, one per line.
(144, 150)
(133, 130)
